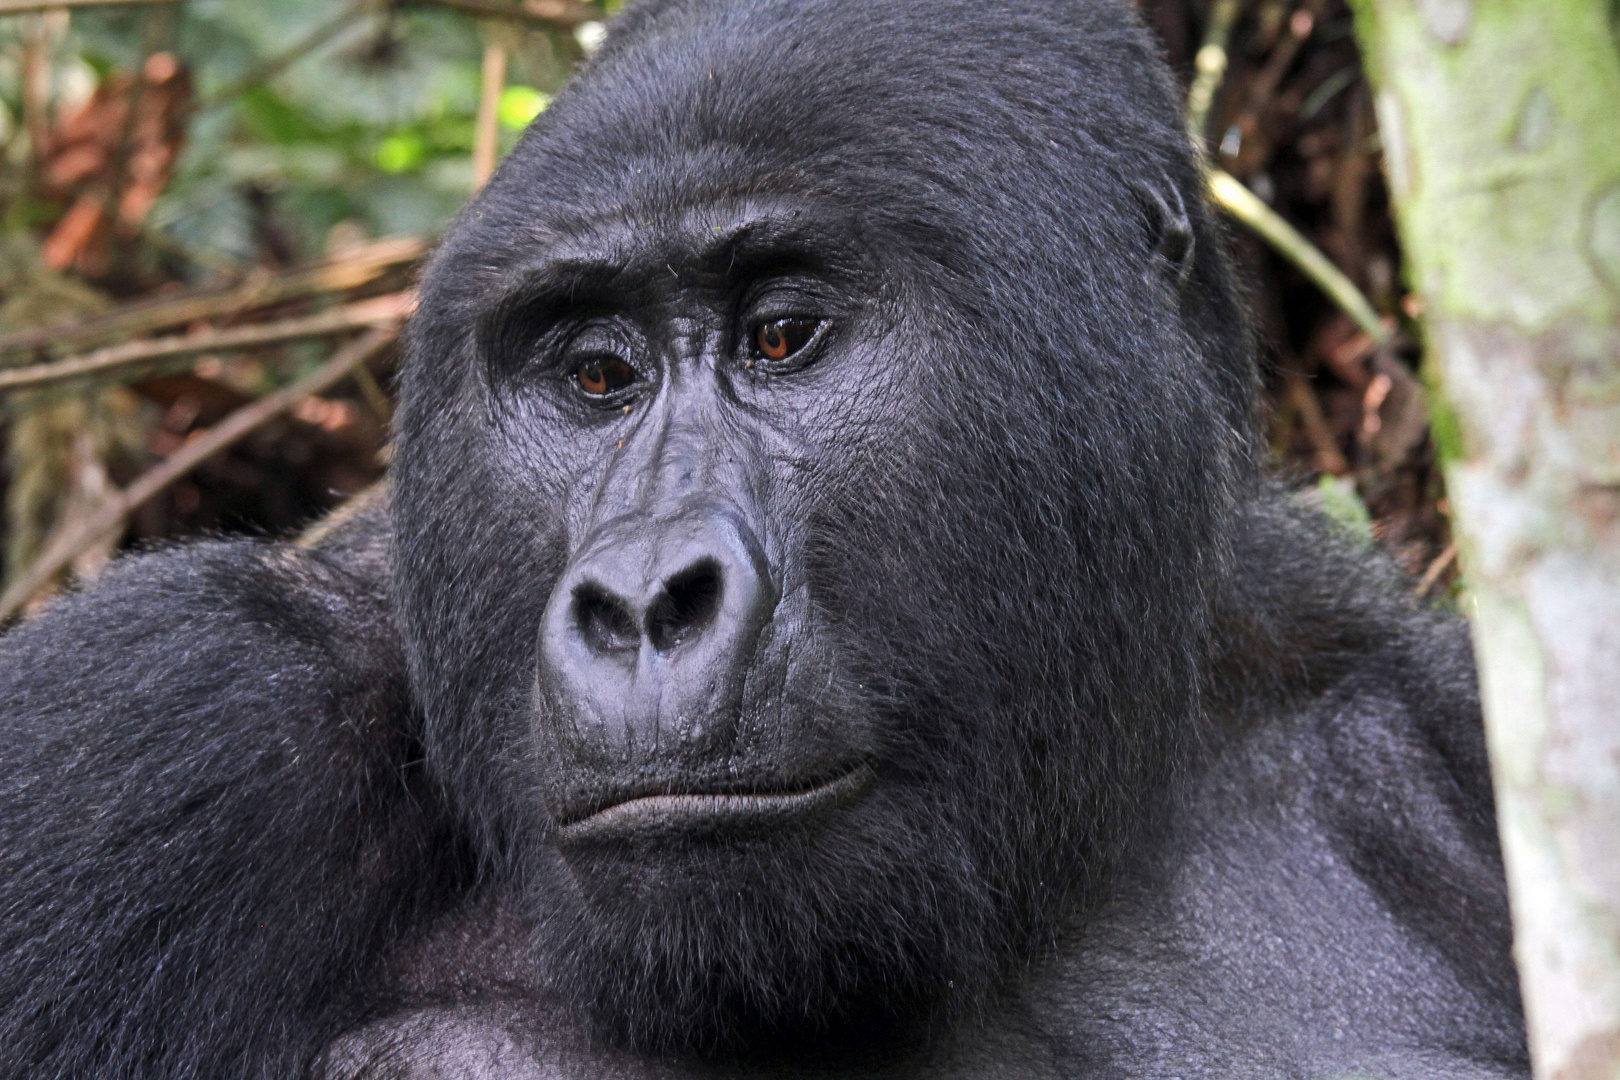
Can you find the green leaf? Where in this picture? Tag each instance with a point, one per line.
(402, 152)
(520, 105)
(268, 116)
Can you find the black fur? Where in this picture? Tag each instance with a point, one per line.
(1165, 779)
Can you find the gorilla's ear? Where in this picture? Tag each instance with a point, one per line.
(1169, 229)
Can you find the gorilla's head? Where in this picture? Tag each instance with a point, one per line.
(817, 447)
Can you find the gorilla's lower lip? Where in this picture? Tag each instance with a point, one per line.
(690, 814)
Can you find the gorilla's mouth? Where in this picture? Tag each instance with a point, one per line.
(689, 814)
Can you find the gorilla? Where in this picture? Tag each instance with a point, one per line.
(829, 619)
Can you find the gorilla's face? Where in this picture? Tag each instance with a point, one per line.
(688, 392)
(801, 555)
(796, 619)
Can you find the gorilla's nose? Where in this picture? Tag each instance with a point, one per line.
(648, 634)
(687, 604)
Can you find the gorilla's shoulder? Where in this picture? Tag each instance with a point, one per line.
(1336, 854)
(217, 597)
(1345, 680)
(192, 750)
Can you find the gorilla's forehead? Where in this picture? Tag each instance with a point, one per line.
(986, 111)
(635, 247)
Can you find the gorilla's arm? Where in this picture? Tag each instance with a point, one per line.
(209, 821)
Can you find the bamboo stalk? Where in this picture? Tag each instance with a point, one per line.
(1501, 144)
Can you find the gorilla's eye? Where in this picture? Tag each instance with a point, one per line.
(602, 375)
(781, 338)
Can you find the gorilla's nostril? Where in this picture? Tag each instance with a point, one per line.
(604, 620)
(688, 604)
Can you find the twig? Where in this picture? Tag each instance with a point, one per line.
(1211, 64)
(1230, 195)
(65, 548)
(564, 13)
(376, 398)
(1300, 25)
(36, 92)
(1328, 456)
(1243, 204)
(1328, 89)
(351, 271)
(29, 7)
(346, 511)
(135, 355)
(286, 58)
(1436, 568)
(1252, 149)
(487, 128)
(120, 180)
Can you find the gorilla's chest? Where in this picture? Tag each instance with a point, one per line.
(507, 1041)
(450, 1044)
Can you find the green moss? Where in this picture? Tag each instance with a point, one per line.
(1444, 427)
(1508, 137)
(1337, 498)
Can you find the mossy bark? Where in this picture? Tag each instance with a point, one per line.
(1501, 129)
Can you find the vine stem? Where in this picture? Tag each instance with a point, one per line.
(1231, 195)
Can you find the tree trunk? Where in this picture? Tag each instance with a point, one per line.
(1501, 131)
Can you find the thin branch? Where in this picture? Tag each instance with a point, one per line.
(487, 128)
(272, 66)
(129, 359)
(111, 515)
(1230, 195)
(346, 511)
(376, 399)
(36, 93)
(564, 13)
(1264, 85)
(1436, 568)
(1329, 458)
(354, 270)
(1211, 64)
(30, 7)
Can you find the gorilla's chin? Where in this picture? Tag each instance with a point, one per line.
(720, 944)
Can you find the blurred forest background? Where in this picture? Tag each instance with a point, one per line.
(213, 211)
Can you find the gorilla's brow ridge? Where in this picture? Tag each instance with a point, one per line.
(619, 253)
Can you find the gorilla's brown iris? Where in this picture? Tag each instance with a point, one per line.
(603, 375)
(781, 338)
